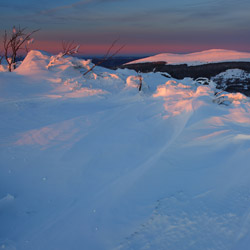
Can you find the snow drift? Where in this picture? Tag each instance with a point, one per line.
(34, 62)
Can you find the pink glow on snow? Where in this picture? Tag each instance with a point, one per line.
(235, 96)
(212, 135)
(48, 136)
(239, 115)
(132, 81)
(208, 56)
(215, 121)
(67, 132)
(84, 92)
(180, 98)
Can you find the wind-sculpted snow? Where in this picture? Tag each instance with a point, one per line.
(92, 163)
(35, 62)
(181, 98)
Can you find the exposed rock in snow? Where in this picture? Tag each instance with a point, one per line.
(233, 80)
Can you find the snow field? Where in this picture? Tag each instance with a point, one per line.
(91, 163)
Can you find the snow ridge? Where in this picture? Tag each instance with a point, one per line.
(198, 58)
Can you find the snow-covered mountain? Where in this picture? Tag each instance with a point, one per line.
(221, 66)
(92, 163)
(198, 58)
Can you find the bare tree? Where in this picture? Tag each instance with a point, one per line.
(109, 55)
(18, 40)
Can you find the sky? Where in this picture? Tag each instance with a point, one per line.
(145, 27)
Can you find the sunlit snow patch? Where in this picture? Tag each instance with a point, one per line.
(198, 58)
(34, 63)
(180, 97)
(228, 98)
(69, 132)
(84, 92)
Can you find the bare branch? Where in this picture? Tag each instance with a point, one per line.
(107, 56)
(111, 47)
(69, 48)
(140, 81)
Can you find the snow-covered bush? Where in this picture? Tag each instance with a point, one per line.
(68, 48)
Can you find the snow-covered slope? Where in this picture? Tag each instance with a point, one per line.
(198, 58)
(91, 163)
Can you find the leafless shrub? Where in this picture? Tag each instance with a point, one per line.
(109, 55)
(68, 48)
(18, 40)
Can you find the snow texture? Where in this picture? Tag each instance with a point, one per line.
(92, 163)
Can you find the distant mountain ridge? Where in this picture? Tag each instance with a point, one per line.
(198, 58)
